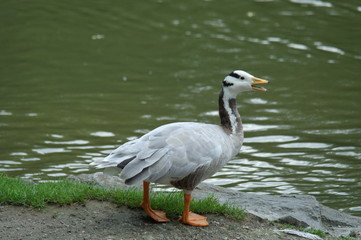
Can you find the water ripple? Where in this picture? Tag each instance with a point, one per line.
(51, 169)
(92, 147)
(334, 131)
(277, 39)
(305, 145)
(257, 101)
(76, 142)
(358, 208)
(348, 153)
(293, 162)
(333, 165)
(5, 113)
(49, 150)
(252, 127)
(102, 134)
(313, 179)
(30, 159)
(329, 49)
(10, 169)
(316, 3)
(217, 23)
(210, 113)
(18, 154)
(6, 162)
(56, 136)
(276, 155)
(297, 46)
(258, 164)
(57, 174)
(248, 149)
(273, 138)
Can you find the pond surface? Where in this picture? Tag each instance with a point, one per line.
(77, 80)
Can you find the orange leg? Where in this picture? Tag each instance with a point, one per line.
(157, 215)
(190, 218)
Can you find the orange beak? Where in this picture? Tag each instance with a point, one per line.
(257, 81)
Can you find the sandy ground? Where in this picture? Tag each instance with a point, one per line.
(106, 221)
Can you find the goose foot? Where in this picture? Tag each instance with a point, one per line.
(194, 219)
(157, 215)
(191, 218)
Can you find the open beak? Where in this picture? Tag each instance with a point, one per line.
(256, 81)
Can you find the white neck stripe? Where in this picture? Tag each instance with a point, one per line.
(232, 117)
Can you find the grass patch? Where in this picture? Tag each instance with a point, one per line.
(14, 191)
(318, 232)
(315, 231)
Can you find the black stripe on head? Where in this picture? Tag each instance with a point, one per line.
(226, 84)
(233, 74)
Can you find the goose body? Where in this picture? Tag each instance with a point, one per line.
(183, 154)
(179, 154)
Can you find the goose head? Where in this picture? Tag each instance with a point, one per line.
(241, 81)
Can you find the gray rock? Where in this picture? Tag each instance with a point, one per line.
(298, 210)
(102, 180)
(301, 234)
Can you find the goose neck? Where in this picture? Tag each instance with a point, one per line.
(229, 115)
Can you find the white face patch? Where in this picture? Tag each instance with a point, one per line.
(236, 82)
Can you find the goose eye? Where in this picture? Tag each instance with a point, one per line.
(242, 78)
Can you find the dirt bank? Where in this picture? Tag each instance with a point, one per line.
(104, 220)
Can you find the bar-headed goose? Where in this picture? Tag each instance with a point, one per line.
(183, 154)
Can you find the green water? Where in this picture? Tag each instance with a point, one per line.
(79, 78)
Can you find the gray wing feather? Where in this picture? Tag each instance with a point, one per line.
(159, 169)
(119, 155)
(137, 165)
(136, 180)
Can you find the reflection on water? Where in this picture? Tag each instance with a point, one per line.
(76, 82)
